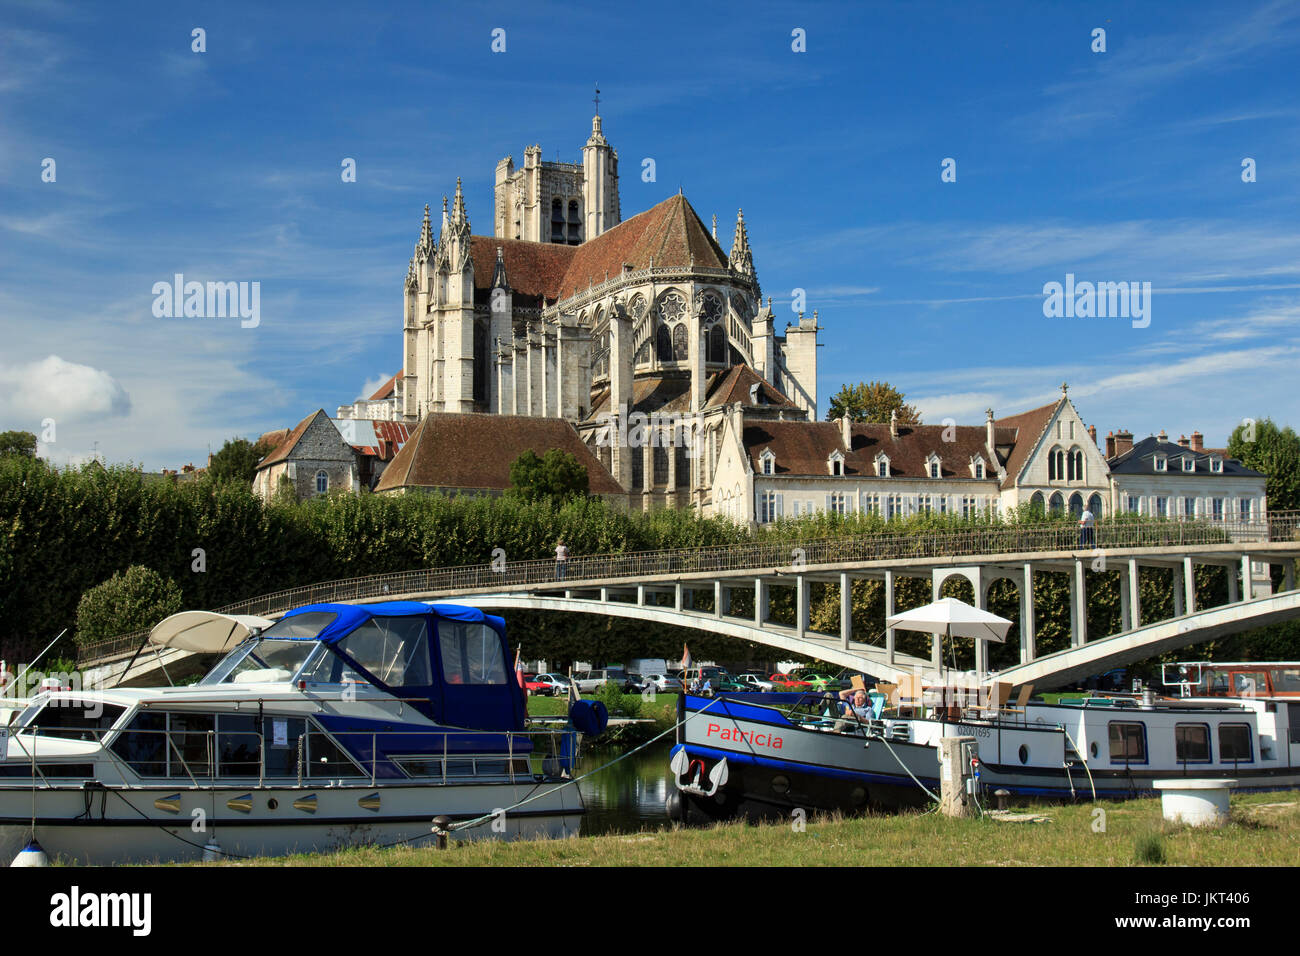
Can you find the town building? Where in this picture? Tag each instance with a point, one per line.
(320, 455)
(1183, 479)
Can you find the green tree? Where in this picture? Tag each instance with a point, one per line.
(556, 477)
(133, 600)
(1274, 451)
(871, 402)
(237, 460)
(17, 443)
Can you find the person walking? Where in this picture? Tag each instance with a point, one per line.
(1086, 536)
(561, 560)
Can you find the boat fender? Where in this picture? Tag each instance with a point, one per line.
(589, 717)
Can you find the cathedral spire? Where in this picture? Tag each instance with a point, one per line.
(443, 232)
(741, 259)
(499, 279)
(424, 249)
(411, 283)
(458, 205)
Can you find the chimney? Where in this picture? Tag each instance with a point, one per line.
(988, 434)
(893, 423)
(1110, 445)
(1092, 433)
(1123, 442)
(1182, 440)
(1163, 436)
(846, 432)
(1198, 441)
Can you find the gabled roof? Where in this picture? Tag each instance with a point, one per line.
(670, 233)
(374, 437)
(1029, 428)
(281, 451)
(455, 450)
(803, 448)
(1140, 460)
(671, 393)
(386, 390)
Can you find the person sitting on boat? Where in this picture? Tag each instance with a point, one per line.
(857, 708)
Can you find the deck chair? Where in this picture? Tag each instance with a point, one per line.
(910, 694)
(1022, 699)
(999, 694)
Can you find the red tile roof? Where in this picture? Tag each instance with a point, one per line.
(452, 450)
(393, 434)
(803, 448)
(386, 390)
(1029, 428)
(282, 450)
(670, 233)
(671, 393)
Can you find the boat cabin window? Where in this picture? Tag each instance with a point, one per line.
(301, 626)
(1128, 743)
(394, 649)
(1234, 743)
(1192, 743)
(70, 719)
(262, 660)
(1249, 683)
(471, 653)
(1293, 720)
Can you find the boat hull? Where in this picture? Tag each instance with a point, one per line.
(128, 825)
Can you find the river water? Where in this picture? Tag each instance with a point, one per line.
(629, 796)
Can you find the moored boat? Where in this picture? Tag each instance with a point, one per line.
(339, 725)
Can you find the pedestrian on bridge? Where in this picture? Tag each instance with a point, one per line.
(1086, 537)
(561, 560)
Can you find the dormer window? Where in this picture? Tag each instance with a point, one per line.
(882, 466)
(933, 467)
(1162, 463)
(835, 463)
(1189, 463)
(768, 461)
(977, 467)
(1216, 465)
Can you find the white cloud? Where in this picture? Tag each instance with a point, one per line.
(62, 390)
(372, 385)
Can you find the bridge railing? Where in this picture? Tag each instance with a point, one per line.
(587, 570)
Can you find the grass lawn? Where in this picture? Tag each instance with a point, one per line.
(1264, 830)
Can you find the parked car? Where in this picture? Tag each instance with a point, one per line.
(665, 684)
(787, 683)
(717, 678)
(591, 681)
(755, 681)
(552, 685)
(819, 681)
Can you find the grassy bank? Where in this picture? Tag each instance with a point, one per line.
(1264, 831)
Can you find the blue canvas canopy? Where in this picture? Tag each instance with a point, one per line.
(450, 699)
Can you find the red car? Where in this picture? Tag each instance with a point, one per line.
(787, 683)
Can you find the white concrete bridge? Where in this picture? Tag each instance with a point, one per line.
(696, 589)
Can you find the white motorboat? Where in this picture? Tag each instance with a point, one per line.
(339, 725)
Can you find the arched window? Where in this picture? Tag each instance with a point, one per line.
(1057, 504)
(1076, 504)
(557, 220)
(575, 223)
(322, 482)
(1036, 503)
(1076, 464)
(1094, 505)
(664, 344)
(681, 348)
(1055, 465)
(661, 463)
(717, 345)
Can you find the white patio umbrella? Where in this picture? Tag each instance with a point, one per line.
(953, 618)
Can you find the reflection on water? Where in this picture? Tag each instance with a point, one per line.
(628, 796)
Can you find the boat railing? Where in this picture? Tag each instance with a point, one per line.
(511, 755)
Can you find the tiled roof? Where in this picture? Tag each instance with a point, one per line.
(803, 448)
(670, 233)
(671, 393)
(452, 450)
(1029, 427)
(386, 390)
(1140, 460)
(273, 439)
(393, 435)
(282, 450)
(532, 268)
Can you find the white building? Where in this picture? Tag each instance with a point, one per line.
(1182, 479)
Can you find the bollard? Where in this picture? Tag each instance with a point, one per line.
(1003, 797)
(441, 827)
(954, 801)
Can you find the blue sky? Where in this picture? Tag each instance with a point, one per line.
(225, 165)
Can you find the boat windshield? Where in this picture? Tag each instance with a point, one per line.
(262, 660)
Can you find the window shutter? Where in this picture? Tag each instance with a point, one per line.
(780, 505)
